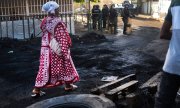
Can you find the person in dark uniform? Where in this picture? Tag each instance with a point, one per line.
(125, 15)
(113, 18)
(105, 14)
(96, 16)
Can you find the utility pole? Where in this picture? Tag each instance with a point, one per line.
(89, 5)
(88, 2)
(27, 8)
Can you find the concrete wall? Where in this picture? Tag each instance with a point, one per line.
(164, 5)
(20, 31)
(8, 30)
(161, 9)
(148, 7)
(155, 10)
(144, 8)
(158, 9)
(16, 8)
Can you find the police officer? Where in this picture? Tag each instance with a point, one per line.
(96, 16)
(105, 14)
(125, 15)
(113, 18)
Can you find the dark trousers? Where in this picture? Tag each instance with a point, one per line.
(167, 91)
(113, 23)
(125, 21)
(104, 22)
(95, 22)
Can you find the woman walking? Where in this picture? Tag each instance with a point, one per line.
(54, 69)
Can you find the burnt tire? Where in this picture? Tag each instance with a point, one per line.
(75, 101)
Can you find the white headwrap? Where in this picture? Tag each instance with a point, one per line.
(50, 7)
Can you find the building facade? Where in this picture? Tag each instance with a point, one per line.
(31, 7)
(156, 8)
(26, 15)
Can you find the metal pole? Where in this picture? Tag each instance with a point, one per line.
(66, 12)
(66, 20)
(33, 27)
(7, 26)
(27, 8)
(1, 29)
(70, 15)
(28, 27)
(150, 7)
(89, 3)
(23, 28)
(82, 17)
(101, 22)
(13, 28)
(61, 15)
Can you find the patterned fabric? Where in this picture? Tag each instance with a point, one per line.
(53, 69)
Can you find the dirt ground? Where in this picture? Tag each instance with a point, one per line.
(117, 55)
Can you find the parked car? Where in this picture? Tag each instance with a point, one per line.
(81, 10)
(132, 8)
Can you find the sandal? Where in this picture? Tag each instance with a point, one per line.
(35, 95)
(73, 87)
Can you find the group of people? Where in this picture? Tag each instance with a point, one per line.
(105, 16)
(55, 70)
(108, 17)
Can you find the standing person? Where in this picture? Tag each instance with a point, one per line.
(113, 17)
(99, 18)
(125, 16)
(105, 14)
(54, 70)
(170, 81)
(95, 16)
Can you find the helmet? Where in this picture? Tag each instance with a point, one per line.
(126, 5)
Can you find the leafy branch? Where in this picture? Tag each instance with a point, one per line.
(81, 1)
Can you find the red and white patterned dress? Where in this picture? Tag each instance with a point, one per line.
(53, 69)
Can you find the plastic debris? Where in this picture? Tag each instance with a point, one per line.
(109, 78)
(10, 52)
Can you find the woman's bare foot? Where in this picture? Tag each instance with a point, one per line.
(37, 93)
(70, 87)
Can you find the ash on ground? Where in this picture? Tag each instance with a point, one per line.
(89, 37)
(94, 56)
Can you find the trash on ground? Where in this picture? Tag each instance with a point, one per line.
(109, 78)
(178, 93)
(10, 52)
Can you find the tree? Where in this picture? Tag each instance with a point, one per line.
(95, 0)
(81, 1)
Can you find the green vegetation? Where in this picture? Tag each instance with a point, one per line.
(81, 1)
